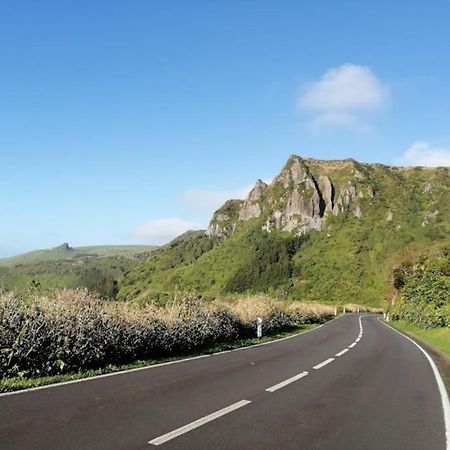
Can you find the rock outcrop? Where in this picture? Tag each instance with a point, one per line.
(225, 220)
(300, 198)
(251, 209)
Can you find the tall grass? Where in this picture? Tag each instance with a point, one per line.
(74, 330)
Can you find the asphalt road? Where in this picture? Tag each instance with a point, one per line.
(304, 392)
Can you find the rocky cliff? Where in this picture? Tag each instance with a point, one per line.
(301, 197)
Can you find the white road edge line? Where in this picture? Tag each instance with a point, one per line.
(353, 345)
(440, 382)
(154, 366)
(286, 382)
(323, 364)
(343, 352)
(198, 423)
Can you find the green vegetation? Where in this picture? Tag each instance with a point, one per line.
(98, 268)
(424, 293)
(437, 337)
(252, 260)
(100, 275)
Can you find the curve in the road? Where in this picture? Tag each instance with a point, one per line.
(439, 382)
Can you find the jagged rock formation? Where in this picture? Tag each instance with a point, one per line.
(251, 207)
(300, 197)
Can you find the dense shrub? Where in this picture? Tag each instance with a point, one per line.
(425, 297)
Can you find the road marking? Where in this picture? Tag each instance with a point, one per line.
(198, 423)
(286, 382)
(343, 352)
(441, 386)
(323, 364)
(357, 340)
(353, 345)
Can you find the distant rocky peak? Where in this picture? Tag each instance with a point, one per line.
(63, 247)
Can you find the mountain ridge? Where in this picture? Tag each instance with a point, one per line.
(321, 231)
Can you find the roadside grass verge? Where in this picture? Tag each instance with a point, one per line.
(437, 337)
(18, 384)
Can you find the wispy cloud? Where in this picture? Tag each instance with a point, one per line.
(161, 231)
(344, 96)
(423, 153)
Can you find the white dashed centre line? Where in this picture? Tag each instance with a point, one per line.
(286, 382)
(353, 345)
(343, 352)
(198, 423)
(323, 364)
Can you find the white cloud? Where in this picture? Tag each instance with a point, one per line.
(161, 231)
(424, 154)
(344, 96)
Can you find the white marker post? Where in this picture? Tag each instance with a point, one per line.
(345, 310)
(259, 328)
(335, 311)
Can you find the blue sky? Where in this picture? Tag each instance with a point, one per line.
(128, 122)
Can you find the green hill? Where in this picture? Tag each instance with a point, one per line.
(98, 268)
(329, 231)
(64, 251)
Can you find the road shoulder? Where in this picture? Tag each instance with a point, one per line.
(441, 360)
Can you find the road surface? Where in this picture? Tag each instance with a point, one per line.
(351, 384)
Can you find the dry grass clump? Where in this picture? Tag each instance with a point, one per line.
(354, 308)
(310, 312)
(248, 309)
